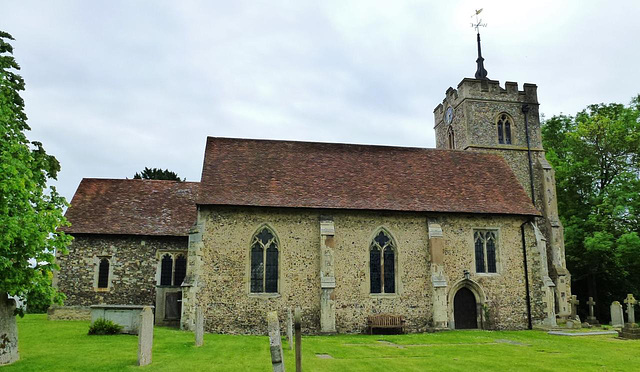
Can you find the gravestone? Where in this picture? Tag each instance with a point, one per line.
(591, 319)
(8, 331)
(289, 328)
(275, 342)
(631, 329)
(199, 332)
(145, 336)
(574, 306)
(617, 319)
(631, 302)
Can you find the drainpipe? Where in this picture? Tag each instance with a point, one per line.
(526, 275)
(525, 110)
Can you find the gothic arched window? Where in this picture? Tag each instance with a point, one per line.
(264, 262)
(382, 264)
(103, 273)
(485, 251)
(451, 138)
(180, 270)
(166, 268)
(504, 129)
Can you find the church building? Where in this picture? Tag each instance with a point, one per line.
(465, 235)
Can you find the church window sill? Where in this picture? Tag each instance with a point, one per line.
(383, 295)
(264, 295)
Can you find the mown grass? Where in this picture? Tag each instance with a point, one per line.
(65, 346)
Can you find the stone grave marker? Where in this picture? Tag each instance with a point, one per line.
(275, 342)
(145, 336)
(298, 327)
(617, 319)
(631, 316)
(8, 331)
(289, 328)
(591, 319)
(199, 332)
(574, 306)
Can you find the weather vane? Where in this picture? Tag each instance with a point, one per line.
(478, 21)
(481, 73)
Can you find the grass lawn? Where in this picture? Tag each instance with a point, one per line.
(65, 346)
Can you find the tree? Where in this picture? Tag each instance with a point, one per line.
(596, 155)
(30, 211)
(157, 174)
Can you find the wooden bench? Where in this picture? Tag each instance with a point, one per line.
(385, 321)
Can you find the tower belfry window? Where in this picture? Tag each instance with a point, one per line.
(451, 138)
(504, 129)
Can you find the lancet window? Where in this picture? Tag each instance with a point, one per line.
(382, 264)
(504, 129)
(485, 244)
(264, 262)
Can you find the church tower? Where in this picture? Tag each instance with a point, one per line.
(480, 115)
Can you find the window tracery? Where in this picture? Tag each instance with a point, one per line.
(382, 256)
(485, 251)
(264, 262)
(504, 129)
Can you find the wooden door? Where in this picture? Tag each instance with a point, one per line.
(465, 313)
(173, 306)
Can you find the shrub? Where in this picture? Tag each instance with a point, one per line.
(104, 327)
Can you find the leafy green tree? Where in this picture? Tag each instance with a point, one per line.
(30, 212)
(157, 174)
(596, 155)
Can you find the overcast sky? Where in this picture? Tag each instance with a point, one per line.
(114, 86)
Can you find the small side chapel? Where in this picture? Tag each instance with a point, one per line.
(466, 235)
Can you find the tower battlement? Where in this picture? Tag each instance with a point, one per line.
(487, 90)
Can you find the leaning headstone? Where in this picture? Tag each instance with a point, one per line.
(275, 342)
(8, 331)
(199, 332)
(145, 336)
(631, 315)
(289, 328)
(574, 306)
(617, 319)
(591, 319)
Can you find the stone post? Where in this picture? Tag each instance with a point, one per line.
(199, 332)
(631, 315)
(191, 283)
(591, 319)
(8, 331)
(327, 276)
(145, 336)
(289, 328)
(298, 326)
(438, 279)
(275, 342)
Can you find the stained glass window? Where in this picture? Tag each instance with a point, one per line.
(485, 251)
(264, 262)
(382, 264)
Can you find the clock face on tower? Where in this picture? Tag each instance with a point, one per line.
(448, 115)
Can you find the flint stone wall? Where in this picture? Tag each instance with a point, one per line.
(132, 276)
(224, 277)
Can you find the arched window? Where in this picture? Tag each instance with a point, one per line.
(451, 138)
(382, 264)
(485, 251)
(103, 273)
(166, 268)
(504, 129)
(180, 271)
(264, 262)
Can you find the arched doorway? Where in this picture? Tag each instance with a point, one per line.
(465, 310)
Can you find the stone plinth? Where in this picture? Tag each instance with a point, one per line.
(128, 316)
(630, 331)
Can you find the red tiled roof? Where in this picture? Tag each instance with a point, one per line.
(326, 175)
(132, 207)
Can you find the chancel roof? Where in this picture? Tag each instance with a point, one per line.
(132, 207)
(247, 172)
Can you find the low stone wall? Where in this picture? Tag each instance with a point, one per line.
(69, 313)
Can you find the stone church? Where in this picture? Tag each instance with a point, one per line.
(465, 235)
